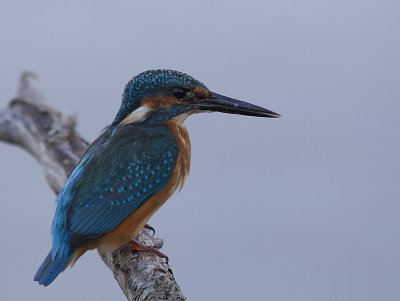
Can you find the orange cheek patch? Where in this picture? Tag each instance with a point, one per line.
(160, 102)
(201, 92)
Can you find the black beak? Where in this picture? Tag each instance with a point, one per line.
(220, 103)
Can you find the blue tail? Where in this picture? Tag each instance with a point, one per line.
(50, 269)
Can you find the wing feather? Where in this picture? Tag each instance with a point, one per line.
(120, 178)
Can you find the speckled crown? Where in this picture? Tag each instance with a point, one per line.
(161, 80)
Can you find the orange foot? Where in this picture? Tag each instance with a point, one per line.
(150, 228)
(135, 246)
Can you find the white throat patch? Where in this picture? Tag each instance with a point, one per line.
(180, 119)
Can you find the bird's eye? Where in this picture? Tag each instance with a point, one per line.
(178, 92)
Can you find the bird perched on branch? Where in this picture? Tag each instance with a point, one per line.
(132, 168)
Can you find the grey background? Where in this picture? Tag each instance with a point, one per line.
(301, 208)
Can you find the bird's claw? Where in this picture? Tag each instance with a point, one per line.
(135, 246)
(148, 227)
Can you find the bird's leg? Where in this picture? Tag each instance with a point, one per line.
(148, 227)
(136, 246)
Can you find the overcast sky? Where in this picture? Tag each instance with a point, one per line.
(305, 207)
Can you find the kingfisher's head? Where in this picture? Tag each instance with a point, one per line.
(156, 96)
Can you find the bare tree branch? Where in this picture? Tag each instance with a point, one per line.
(50, 137)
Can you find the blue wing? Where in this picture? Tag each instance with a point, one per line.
(118, 177)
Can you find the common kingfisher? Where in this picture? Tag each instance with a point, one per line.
(132, 168)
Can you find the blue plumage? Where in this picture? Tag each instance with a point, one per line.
(145, 152)
(136, 170)
(50, 268)
(120, 171)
